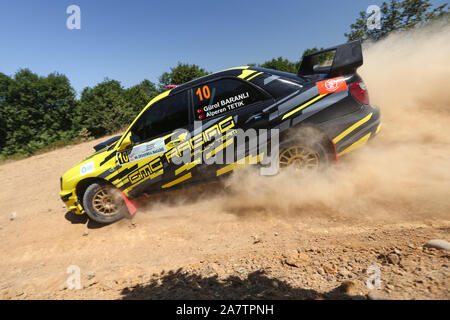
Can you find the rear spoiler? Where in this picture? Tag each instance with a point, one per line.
(347, 58)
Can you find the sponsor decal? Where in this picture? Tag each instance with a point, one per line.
(221, 132)
(142, 151)
(151, 170)
(87, 168)
(331, 85)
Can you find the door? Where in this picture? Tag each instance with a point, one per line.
(220, 107)
(153, 136)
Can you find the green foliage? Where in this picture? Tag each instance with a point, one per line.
(100, 109)
(107, 107)
(323, 58)
(35, 111)
(396, 16)
(180, 74)
(4, 85)
(281, 64)
(39, 113)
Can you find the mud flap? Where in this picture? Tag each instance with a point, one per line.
(132, 205)
(335, 154)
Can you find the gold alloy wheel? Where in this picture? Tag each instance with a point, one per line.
(105, 202)
(300, 157)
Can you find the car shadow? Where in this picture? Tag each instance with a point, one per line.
(83, 219)
(256, 286)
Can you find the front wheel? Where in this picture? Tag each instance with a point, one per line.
(103, 203)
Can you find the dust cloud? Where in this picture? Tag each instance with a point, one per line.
(402, 174)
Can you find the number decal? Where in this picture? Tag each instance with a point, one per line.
(203, 93)
(206, 92)
(122, 157)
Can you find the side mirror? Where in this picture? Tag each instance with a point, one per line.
(126, 142)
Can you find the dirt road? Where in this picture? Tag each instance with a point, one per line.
(327, 236)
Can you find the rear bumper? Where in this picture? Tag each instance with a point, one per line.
(353, 130)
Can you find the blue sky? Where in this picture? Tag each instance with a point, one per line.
(137, 39)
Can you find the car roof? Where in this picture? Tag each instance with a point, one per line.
(233, 72)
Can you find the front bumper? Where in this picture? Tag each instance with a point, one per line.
(71, 201)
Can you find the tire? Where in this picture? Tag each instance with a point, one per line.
(103, 203)
(304, 153)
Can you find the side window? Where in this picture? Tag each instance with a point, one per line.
(166, 115)
(218, 97)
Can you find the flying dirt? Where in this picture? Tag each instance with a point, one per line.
(286, 236)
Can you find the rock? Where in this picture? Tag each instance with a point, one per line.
(256, 240)
(438, 244)
(372, 295)
(13, 216)
(275, 234)
(296, 259)
(85, 232)
(393, 258)
(91, 275)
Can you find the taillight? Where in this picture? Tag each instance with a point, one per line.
(359, 90)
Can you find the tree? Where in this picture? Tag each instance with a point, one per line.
(4, 84)
(180, 74)
(36, 111)
(281, 64)
(103, 108)
(138, 96)
(323, 58)
(396, 16)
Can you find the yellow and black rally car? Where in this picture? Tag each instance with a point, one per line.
(319, 114)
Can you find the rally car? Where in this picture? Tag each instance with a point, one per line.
(318, 115)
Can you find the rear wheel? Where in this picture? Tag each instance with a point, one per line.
(304, 154)
(104, 203)
(300, 157)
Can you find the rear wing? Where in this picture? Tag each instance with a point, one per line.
(347, 58)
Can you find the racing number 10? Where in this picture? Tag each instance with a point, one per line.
(123, 157)
(203, 93)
